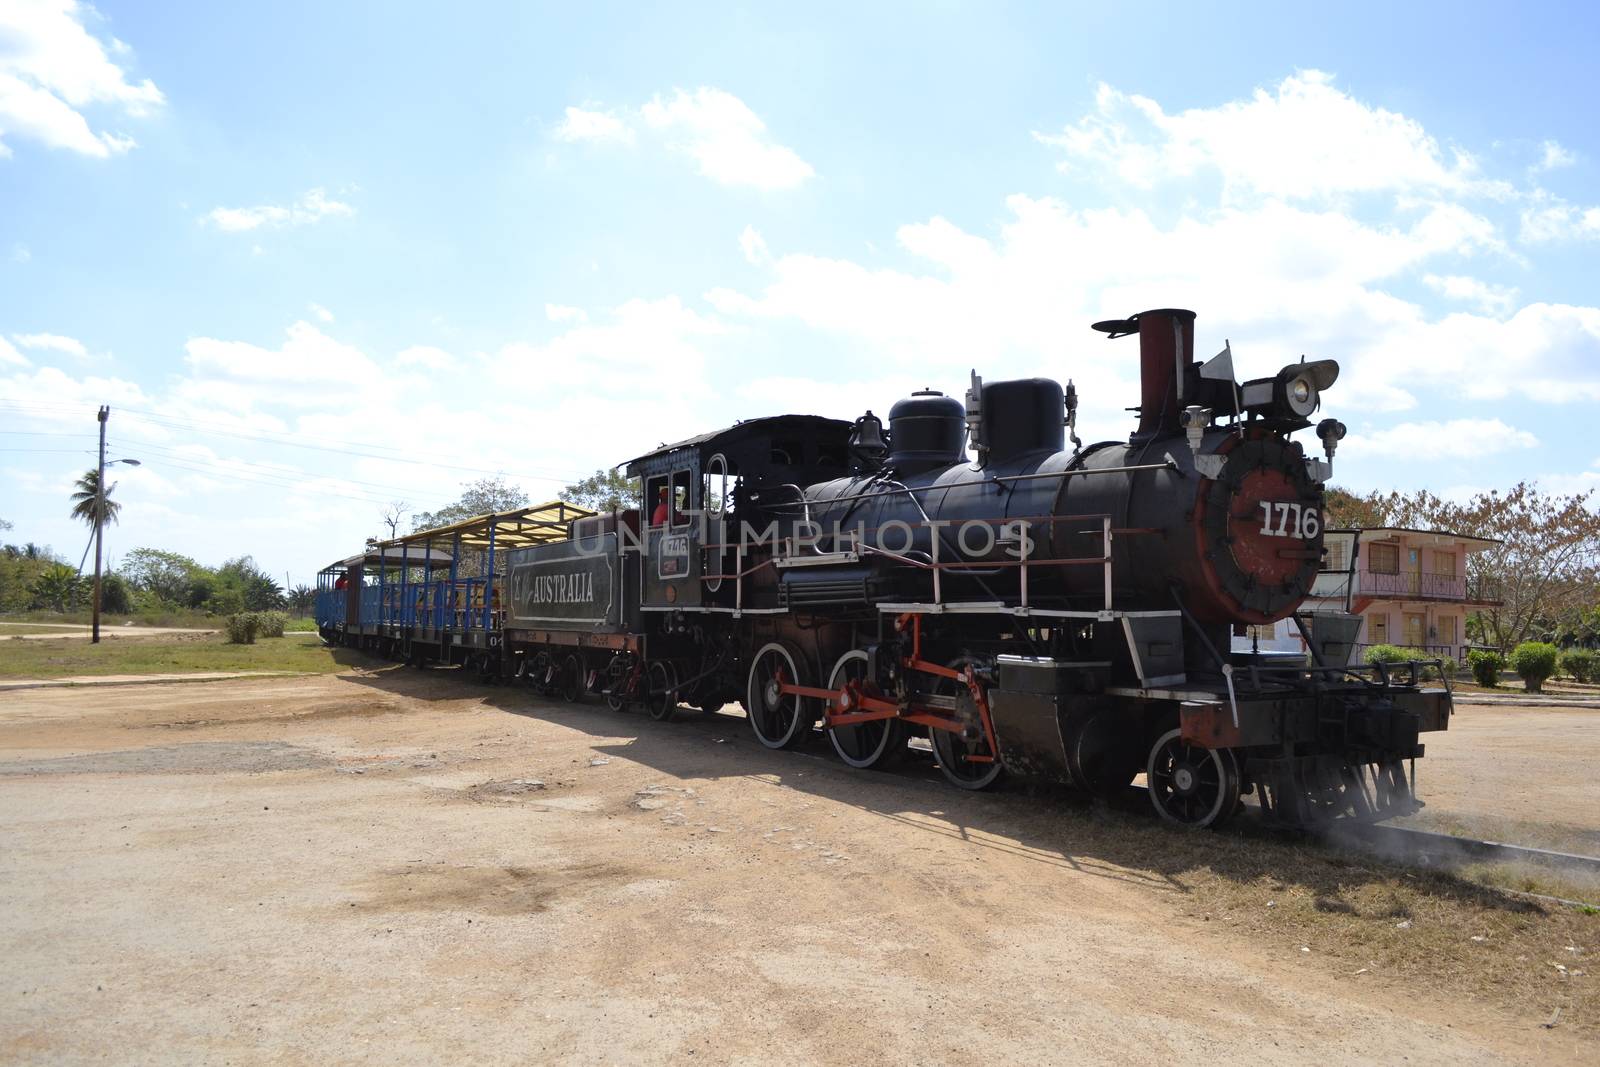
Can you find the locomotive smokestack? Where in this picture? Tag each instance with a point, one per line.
(1166, 348)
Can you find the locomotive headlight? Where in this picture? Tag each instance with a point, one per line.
(1293, 393)
(1300, 395)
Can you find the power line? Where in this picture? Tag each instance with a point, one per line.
(200, 426)
(271, 437)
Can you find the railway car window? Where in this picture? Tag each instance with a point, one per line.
(715, 490)
(680, 498)
(655, 500)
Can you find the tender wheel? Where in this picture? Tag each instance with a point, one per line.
(662, 698)
(869, 744)
(779, 720)
(1191, 785)
(569, 686)
(952, 752)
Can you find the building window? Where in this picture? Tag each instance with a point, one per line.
(1336, 560)
(1383, 558)
(1377, 629)
(1416, 629)
(1444, 563)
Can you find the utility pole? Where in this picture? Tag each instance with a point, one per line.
(99, 522)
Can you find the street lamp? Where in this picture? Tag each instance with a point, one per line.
(99, 520)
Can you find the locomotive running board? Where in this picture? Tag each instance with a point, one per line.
(995, 607)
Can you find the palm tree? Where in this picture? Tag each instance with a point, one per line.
(86, 500)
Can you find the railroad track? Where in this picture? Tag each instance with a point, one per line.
(1429, 847)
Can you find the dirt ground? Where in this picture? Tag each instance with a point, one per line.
(1529, 776)
(386, 865)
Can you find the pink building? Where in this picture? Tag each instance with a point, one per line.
(1410, 588)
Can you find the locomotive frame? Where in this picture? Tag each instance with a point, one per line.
(1039, 612)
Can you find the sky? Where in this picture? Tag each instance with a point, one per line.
(321, 257)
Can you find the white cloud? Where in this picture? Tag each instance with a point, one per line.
(314, 206)
(52, 70)
(51, 342)
(1452, 439)
(425, 356)
(727, 140)
(754, 246)
(581, 124)
(20, 253)
(563, 313)
(322, 313)
(1304, 139)
(1553, 156)
(1552, 219)
(309, 359)
(1495, 299)
(9, 356)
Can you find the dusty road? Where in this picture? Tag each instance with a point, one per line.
(57, 631)
(388, 866)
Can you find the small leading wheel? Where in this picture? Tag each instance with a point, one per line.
(954, 754)
(662, 698)
(1191, 785)
(870, 744)
(778, 719)
(569, 685)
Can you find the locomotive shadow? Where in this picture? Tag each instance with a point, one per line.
(1050, 825)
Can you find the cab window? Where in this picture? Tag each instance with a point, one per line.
(680, 501)
(657, 506)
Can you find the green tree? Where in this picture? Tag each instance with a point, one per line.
(57, 588)
(302, 598)
(483, 497)
(1344, 510)
(255, 587)
(604, 490)
(86, 500)
(115, 596)
(169, 576)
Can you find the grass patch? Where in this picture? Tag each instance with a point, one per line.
(1359, 919)
(161, 654)
(300, 626)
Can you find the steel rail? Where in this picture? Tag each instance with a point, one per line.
(1402, 842)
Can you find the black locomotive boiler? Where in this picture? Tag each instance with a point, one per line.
(1032, 607)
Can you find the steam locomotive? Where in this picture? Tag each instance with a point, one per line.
(960, 575)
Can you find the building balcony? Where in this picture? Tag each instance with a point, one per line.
(1408, 585)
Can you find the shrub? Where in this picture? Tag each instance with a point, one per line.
(242, 628)
(1486, 666)
(1580, 664)
(1387, 654)
(1534, 661)
(271, 623)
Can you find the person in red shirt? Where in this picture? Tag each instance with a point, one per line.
(663, 510)
(342, 583)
